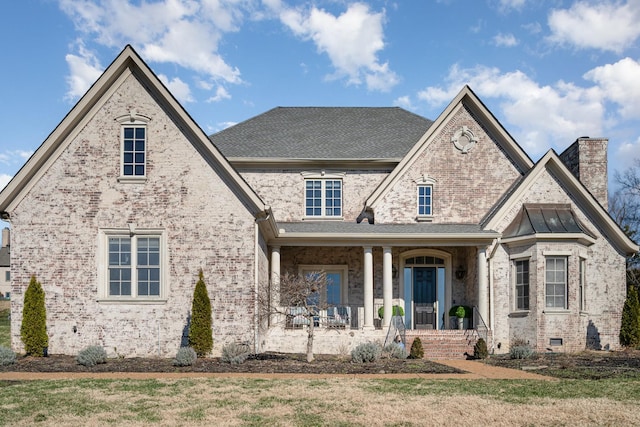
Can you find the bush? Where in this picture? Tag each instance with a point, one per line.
(480, 350)
(630, 325)
(186, 356)
(416, 352)
(394, 351)
(396, 311)
(235, 353)
(200, 333)
(92, 355)
(522, 351)
(464, 310)
(368, 352)
(33, 329)
(7, 356)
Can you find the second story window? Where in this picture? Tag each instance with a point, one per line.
(424, 199)
(323, 198)
(134, 146)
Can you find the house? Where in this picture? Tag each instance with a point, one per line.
(128, 199)
(5, 264)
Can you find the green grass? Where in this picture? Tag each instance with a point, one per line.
(5, 326)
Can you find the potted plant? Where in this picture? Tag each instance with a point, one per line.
(461, 312)
(397, 311)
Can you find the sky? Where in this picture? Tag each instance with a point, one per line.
(550, 71)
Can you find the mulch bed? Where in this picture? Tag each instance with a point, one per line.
(261, 363)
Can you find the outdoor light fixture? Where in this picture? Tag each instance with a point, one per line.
(461, 272)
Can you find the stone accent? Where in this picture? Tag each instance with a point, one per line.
(586, 158)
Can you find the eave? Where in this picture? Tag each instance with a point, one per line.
(581, 238)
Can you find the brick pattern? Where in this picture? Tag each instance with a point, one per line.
(449, 344)
(586, 158)
(56, 226)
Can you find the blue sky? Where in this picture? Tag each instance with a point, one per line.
(550, 71)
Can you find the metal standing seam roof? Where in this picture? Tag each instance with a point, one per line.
(324, 133)
(545, 218)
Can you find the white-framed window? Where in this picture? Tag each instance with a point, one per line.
(425, 193)
(556, 282)
(521, 267)
(133, 265)
(336, 289)
(323, 195)
(582, 272)
(134, 150)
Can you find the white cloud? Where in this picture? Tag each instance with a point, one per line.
(182, 32)
(512, 4)
(178, 88)
(221, 93)
(404, 102)
(84, 69)
(351, 40)
(605, 25)
(4, 180)
(626, 154)
(540, 116)
(620, 84)
(506, 40)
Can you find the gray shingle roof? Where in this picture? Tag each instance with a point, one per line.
(324, 133)
(340, 227)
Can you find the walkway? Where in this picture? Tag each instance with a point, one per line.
(473, 370)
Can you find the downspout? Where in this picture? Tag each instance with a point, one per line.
(256, 278)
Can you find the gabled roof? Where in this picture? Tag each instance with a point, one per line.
(467, 98)
(333, 133)
(585, 200)
(128, 62)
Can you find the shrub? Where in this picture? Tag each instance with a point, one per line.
(394, 351)
(480, 350)
(33, 329)
(235, 353)
(523, 351)
(630, 325)
(7, 356)
(186, 356)
(92, 355)
(200, 333)
(461, 311)
(368, 352)
(396, 311)
(416, 352)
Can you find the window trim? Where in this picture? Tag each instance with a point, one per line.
(103, 266)
(133, 120)
(323, 176)
(516, 284)
(565, 306)
(582, 284)
(343, 269)
(422, 182)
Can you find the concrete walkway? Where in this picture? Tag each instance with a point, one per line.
(473, 370)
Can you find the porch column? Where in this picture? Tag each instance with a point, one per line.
(483, 288)
(274, 297)
(368, 288)
(387, 287)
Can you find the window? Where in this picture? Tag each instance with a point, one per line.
(7, 276)
(134, 266)
(581, 284)
(134, 150)
(424, 200)
(522, 284)
(556, 282)
(336, 288)
(323, 197)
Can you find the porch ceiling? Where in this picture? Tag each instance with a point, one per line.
(338, 233)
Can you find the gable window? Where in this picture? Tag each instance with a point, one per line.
(556, 282)
(522, 284)
(134, 266)
(323, 197)
(424, 199)
(134, 151)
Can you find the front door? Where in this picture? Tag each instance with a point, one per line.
(425, 302)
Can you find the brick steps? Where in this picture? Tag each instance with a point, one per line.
(449, 344)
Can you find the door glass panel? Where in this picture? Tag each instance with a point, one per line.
(441, 304)
(408, 297)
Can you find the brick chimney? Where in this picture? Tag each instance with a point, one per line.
(587, 160)
(5, 237)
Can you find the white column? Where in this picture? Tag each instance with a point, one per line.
(368, 288)
(483, 288)
(274, 297)
(387, 287)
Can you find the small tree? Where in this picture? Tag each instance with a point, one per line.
(200, 333)
(417, 352)
(305, 292)
(33, 330)
(630, 325)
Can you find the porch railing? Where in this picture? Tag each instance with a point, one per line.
(480, 326)
(332, 317)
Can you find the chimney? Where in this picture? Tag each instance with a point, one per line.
(587, 160)
(5, 237)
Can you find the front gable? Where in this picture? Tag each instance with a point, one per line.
(467, 159)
